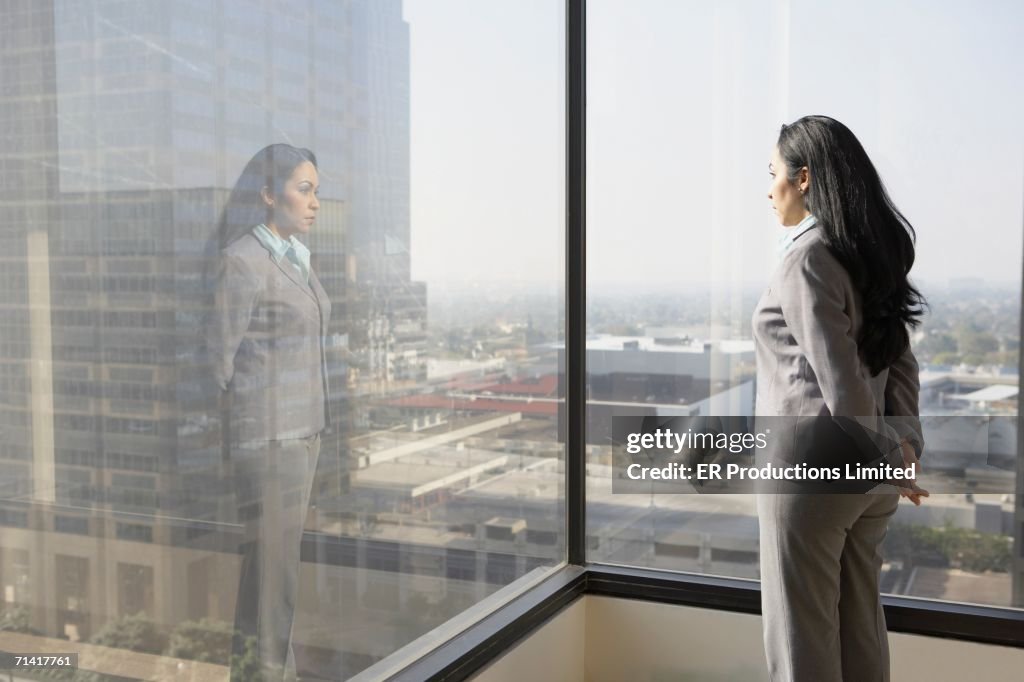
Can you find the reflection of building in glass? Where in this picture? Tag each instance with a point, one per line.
(663, 375)
(124, 127)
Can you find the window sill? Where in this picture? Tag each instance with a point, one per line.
(466, 654)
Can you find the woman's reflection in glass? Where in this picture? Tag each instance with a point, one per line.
(265, 339)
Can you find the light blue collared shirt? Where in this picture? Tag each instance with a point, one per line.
(292, 248)
(790, 235)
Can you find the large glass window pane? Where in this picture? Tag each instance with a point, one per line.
(685, 102)
(306, 445)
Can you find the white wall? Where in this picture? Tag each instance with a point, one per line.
(554, 652)
(603, 639)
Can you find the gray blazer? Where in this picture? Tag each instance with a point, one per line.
(805, 329)
(265, 341)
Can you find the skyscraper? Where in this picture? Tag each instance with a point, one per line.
(124, 126)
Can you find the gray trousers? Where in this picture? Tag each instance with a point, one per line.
(273, 481)
(820, 601)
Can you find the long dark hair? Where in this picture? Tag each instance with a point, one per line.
(270, 167)
(862, 228)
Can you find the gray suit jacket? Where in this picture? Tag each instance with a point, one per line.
(805, 329)
(265, 342)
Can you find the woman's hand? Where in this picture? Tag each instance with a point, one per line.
(911, 491)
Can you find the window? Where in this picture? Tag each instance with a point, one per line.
(134, 532)
(135, 585)
(461, 565)
(440, 477)
(71, 524)
(669, 327)
(438, 485)
(13, 518)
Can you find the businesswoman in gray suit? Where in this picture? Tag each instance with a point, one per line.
(265, 339)
(832, 345)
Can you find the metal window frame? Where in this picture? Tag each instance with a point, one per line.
(468, 653)
(484, 642)
(576, 281)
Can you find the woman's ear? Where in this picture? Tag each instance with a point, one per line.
(804, 181)
(266, 196)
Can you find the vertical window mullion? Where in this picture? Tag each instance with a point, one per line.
(576, 279)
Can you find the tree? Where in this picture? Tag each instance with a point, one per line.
(206, 640)
(936, 342)
(17, 618)
(210, 641)
(135, 633)
(978, 343)
(946, 359)
(1006, 358)
(245, 667)
(963, 548)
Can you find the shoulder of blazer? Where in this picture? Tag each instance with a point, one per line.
(246, 247)
(251, 255)
(809, 262)
(810, 254)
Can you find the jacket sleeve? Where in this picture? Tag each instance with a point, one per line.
(233, 303)
(812, 298)
(902, 392)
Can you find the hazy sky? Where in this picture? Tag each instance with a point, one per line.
(684, 103)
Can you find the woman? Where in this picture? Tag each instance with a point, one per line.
(832, 343)
(265, 340)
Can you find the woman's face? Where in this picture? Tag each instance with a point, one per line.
(295, 207)
(786, 198)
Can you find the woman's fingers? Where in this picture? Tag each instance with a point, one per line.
(910, 457)
(906, 492)
(914, 493)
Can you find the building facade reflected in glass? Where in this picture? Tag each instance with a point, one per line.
(125, 126)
